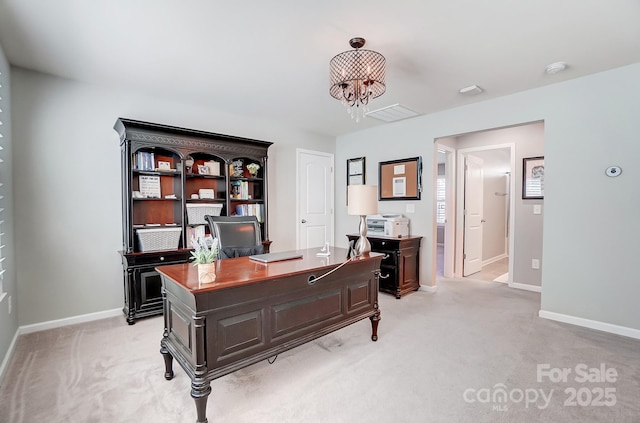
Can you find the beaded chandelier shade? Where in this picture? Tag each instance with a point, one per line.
(356, 77)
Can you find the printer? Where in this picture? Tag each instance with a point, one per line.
(391, 225)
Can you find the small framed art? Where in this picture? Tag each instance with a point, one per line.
(533, 178)
(356, 172)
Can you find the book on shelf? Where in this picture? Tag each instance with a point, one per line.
(251, 210)
(145, 160)
(240, 190)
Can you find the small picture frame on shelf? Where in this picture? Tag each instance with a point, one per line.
(214, 167)
(203, 170)
(164, 165)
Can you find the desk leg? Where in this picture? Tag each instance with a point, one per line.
(200, 391)
(168, 362)
(375, 319)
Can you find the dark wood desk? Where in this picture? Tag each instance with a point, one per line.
(254, 311)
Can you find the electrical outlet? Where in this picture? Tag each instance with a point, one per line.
(9, 303)
(535, 264)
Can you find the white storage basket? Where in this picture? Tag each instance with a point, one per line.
(197, 212)
(156, 239)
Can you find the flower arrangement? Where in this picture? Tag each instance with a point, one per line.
(203, 254)
(253, 168)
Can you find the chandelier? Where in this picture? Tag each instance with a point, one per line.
(356, 77)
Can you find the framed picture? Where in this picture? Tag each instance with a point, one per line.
(533, 178)
(356, 172)
(203, 170)
(400, 179)
(164, 165)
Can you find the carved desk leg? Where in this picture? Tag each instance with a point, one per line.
(200, 390)
(168, 361)
(375, 319)
(168, 358)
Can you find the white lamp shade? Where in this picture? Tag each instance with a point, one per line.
(363, 200)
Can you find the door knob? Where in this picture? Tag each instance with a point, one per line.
(304, 221)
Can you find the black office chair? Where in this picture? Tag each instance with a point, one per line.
(237, 235)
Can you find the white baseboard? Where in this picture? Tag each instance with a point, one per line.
(8, 356)
(428, 288)
(494, 259)
(591, 324)
(37, 327)
(525, 286)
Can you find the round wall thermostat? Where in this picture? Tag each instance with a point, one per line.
(613, 171)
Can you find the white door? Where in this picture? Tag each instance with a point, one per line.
(473, 194)
(315, 199)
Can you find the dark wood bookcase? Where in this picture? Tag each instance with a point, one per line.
(163, 170)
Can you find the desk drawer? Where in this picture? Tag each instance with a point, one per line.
(383, 245)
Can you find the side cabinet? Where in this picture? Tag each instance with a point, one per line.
(142, 283)
(400, 268)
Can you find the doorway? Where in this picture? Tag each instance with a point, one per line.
(474, 244)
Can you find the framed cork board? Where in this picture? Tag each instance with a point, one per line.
(400, 179)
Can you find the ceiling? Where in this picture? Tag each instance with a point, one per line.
(269, 59)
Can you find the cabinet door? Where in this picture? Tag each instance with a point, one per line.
(147, 289)
(409, 268)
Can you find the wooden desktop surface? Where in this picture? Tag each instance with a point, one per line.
(240, 271)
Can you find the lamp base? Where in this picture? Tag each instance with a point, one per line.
(362, 244)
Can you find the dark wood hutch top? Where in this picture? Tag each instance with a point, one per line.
(186, 141)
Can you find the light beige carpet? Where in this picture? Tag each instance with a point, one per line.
(438, 357)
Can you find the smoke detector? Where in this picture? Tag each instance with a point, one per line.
(555, 68)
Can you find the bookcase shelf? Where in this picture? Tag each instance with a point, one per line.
(160, 160)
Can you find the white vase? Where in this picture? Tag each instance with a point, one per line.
(207, 272)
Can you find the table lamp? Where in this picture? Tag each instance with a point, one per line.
(363, 201)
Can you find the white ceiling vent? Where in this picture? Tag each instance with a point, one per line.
(392, 113)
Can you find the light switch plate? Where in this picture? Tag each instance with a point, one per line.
(537, 209)
(535, 264)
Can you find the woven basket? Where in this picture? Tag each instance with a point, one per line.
(156, 239)
(197, 212)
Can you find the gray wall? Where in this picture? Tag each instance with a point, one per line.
(67, 184)
(8, 322)
(590, 235)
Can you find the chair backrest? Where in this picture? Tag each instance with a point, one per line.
(237, 235)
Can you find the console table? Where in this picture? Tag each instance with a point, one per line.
(400, 270)
(254, 311)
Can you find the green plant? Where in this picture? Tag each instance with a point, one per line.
(202, 254)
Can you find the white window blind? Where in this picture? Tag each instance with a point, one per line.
(440, 199)
(2, 196)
